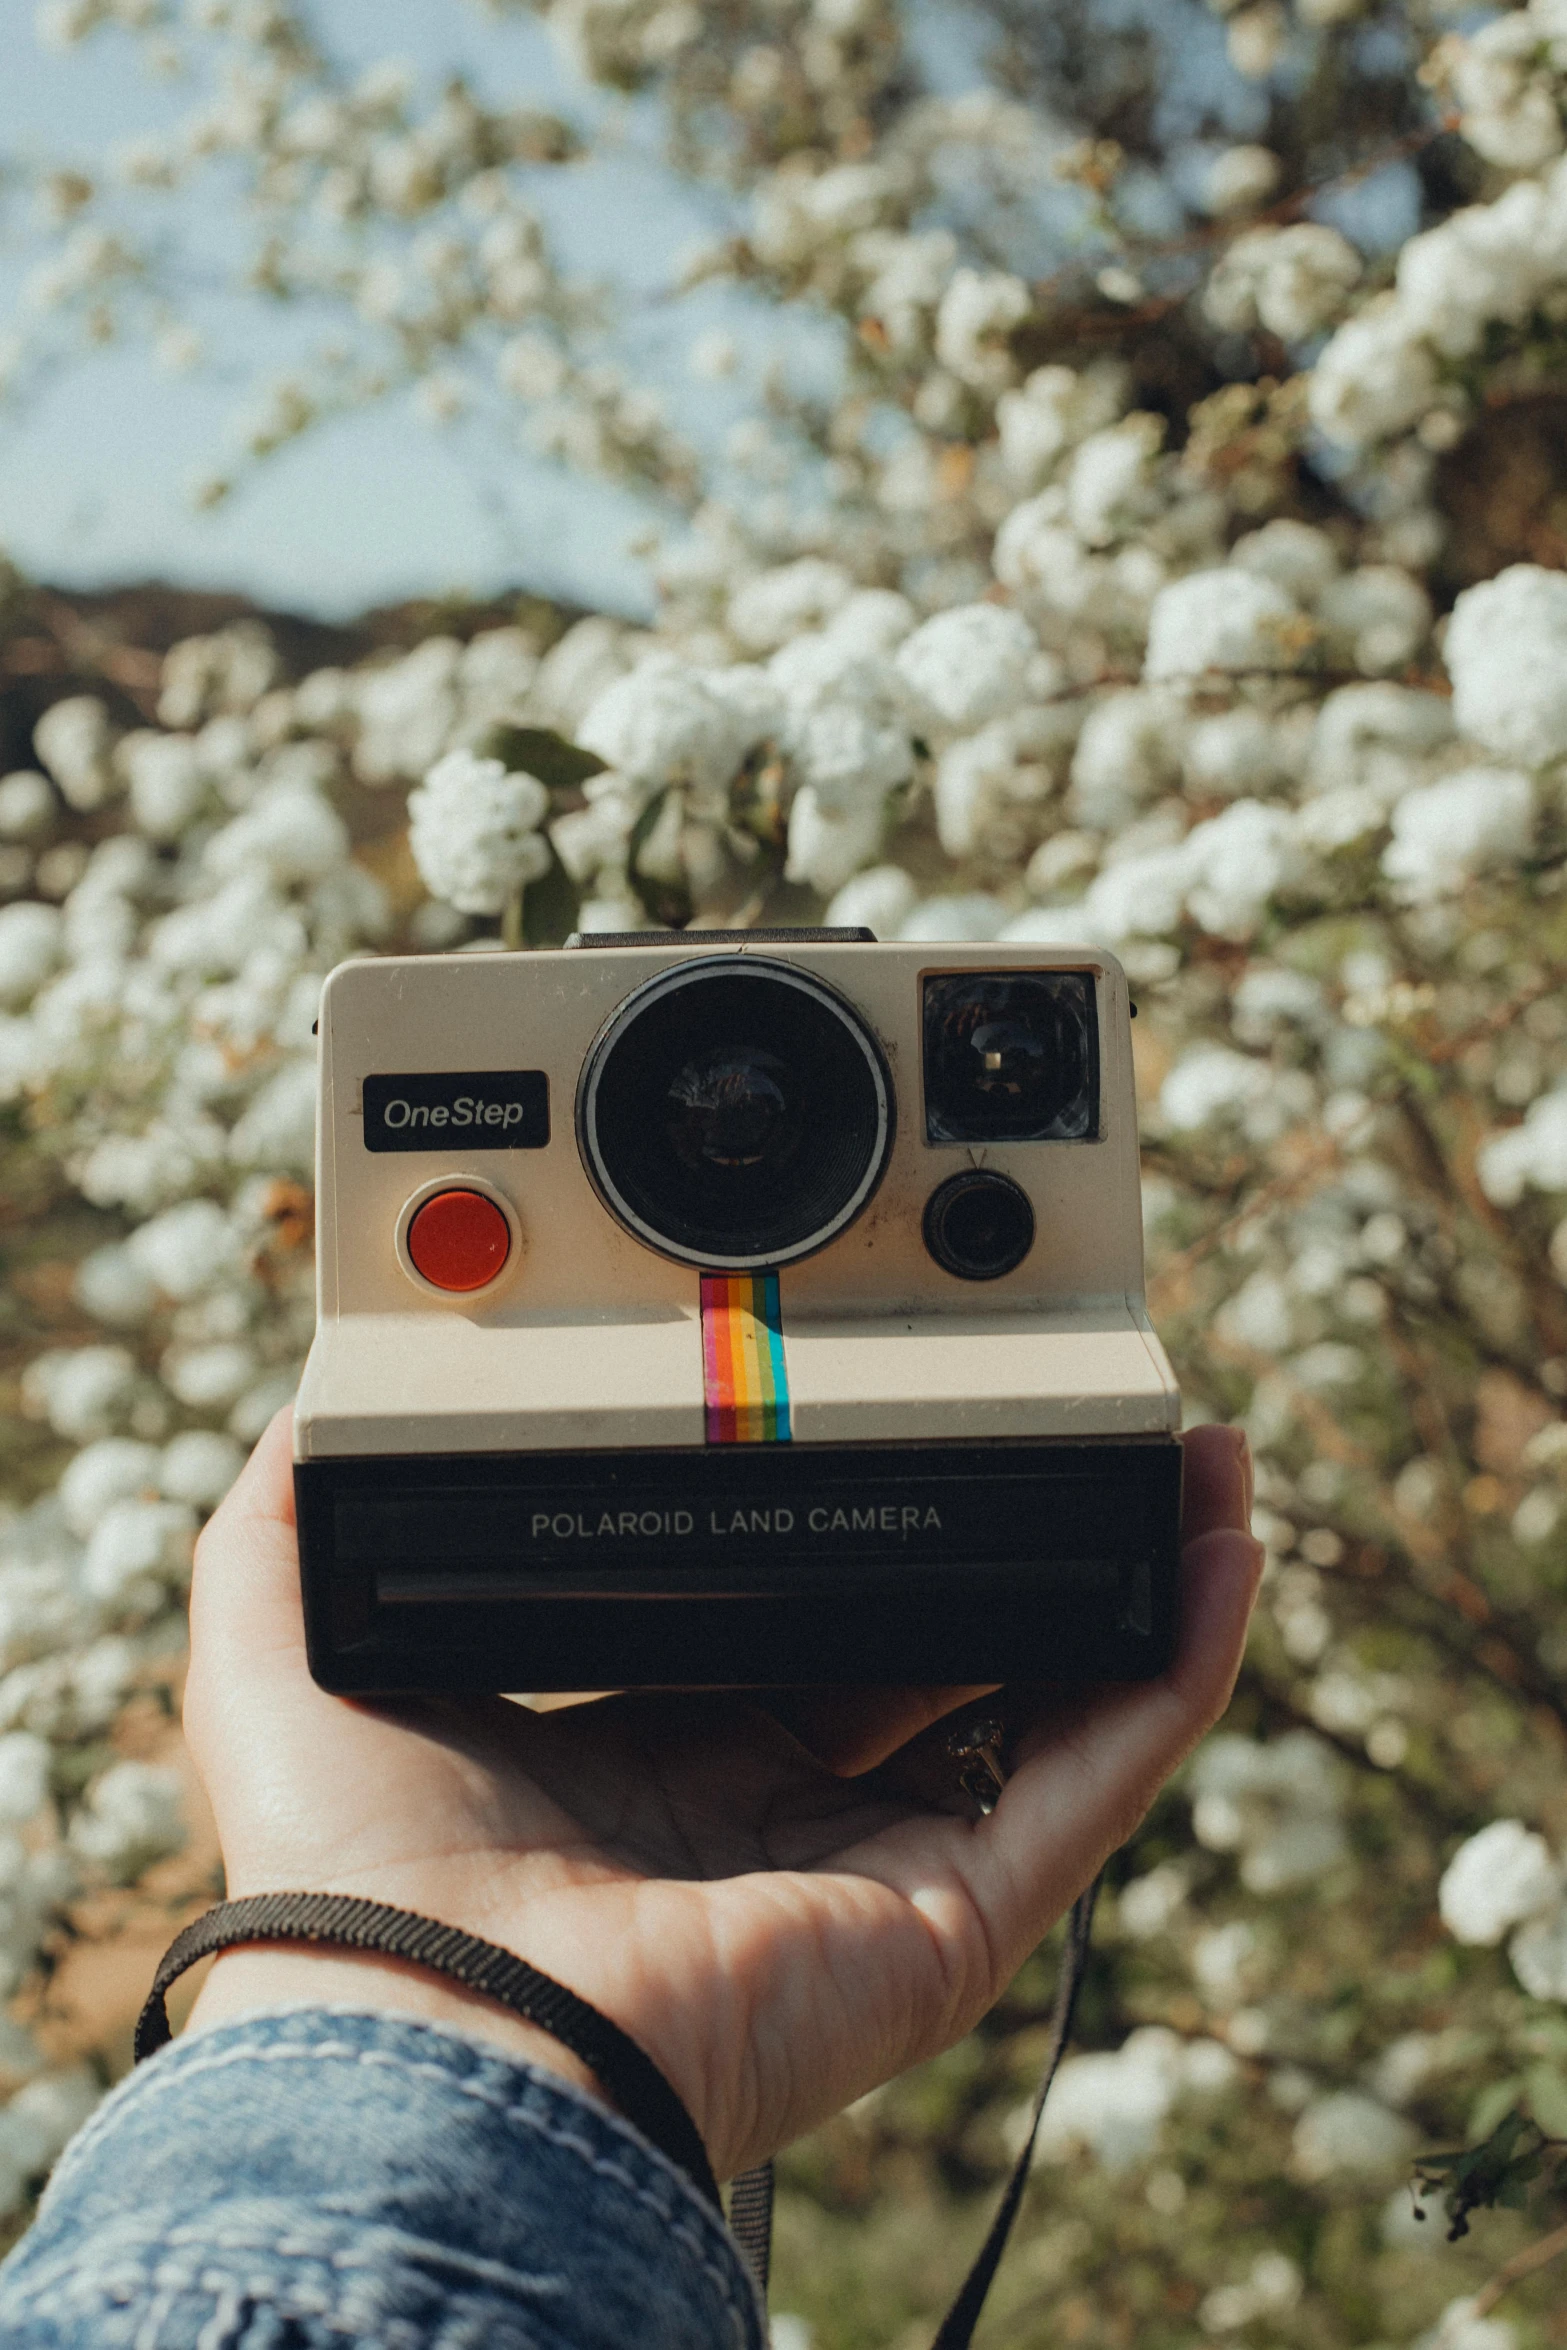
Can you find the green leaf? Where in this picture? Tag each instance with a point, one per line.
(1546, 2088)
(549, 908)
(538, 750)
(1497, 2171)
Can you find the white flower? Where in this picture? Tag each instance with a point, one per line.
(1223, 620)
(199, 1467)
(974, 914)
(827, 845)
(27, 805)
(880, 900)
(1532, 1156)
(1292, 281)
(1271, 2287)
(114, 1469)
(1538, 1952)
(408, 712)
(29, 949)
(290, 835)
(777, 605)
(137, 1550)
(1503, 80)
(970, 665)
(73, 740)
(45, 2115)
(1300, 560)
(1115, 2104)
(112, 1287)
(662, 724)
(24, 1777)
(1449, 832)
(1485, 264)
(846, 726)
(166, 781)
(978, 312)
(1382, 615)
(1506, 652)
(277, 1130)
(83, 1391)
(1128, 752)
(873, 620)
(1240, 179)
(1055, 409)
(473, 829)
(1236, 752)
(624, 911)
(185, 1249)
(1494, 1881)
(132, 1817)
(1135, 897)
(1376, 377)
(1350, 2133)
(1150, 1902)
(1109, 483)
(910, 275)
(1459, 2328)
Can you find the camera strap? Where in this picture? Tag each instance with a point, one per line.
(751, 2195)
(628, 2075)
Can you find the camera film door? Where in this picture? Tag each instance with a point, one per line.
(743, 1565)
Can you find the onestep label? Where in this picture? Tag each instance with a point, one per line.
(483, 1109)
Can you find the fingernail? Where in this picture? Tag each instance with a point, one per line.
(1248, 1478)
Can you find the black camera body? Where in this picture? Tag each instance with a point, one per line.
(733, 1310)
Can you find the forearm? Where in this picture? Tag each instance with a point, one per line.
(367, 2177)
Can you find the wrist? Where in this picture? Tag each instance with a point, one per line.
(245, 1981)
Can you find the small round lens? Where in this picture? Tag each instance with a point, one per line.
(979, 1225)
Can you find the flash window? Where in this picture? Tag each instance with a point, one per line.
(1011, 1056)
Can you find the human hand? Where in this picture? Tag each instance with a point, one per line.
(778, 1936)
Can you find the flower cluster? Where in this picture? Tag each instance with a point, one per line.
(1162, 568)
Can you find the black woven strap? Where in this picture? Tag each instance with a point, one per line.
(627, 2074)
(957, 2327)
(751, 2220)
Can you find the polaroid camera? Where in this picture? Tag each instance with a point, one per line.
(731, 1309)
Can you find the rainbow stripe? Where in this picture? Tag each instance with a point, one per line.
(743, 1359)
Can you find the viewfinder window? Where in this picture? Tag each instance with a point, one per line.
(1011, 1056)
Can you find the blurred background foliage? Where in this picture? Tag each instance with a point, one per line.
(1094, 471)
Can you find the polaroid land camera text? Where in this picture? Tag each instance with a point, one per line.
(733, 1309)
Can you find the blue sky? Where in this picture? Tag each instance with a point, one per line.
(97, 464)
(96, 467)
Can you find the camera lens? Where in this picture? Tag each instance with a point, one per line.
(735, 1113)
(979, 1225)
(1011, 1056)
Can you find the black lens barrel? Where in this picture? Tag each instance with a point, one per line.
(735, 1113)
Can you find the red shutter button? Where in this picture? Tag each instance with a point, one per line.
(459, 1240)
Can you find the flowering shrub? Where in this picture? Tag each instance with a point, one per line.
(1179, 600)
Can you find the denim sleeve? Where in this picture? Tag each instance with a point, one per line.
(316, 2177)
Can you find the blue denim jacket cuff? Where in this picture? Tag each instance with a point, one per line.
(321, 2174)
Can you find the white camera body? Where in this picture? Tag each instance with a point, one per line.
(726, 1308)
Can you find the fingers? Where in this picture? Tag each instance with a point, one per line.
(246, 1619)
(1085, 1775)
(852, 1730)
(1217, 1481)
(1083, 1782)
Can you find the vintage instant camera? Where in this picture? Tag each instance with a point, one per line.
(733, 1309)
